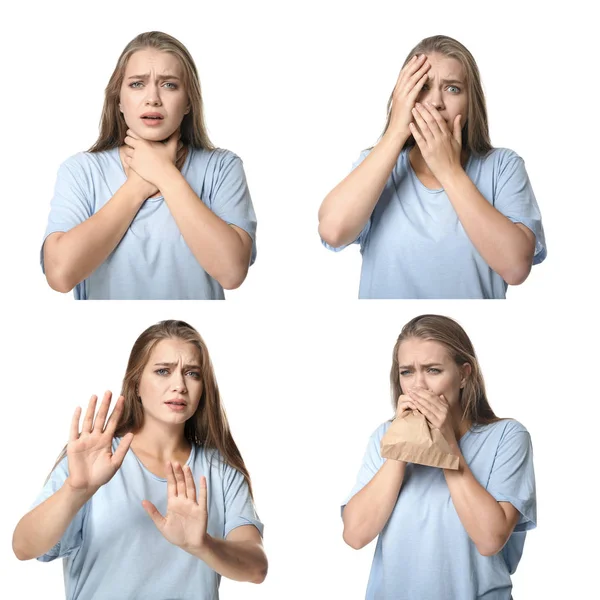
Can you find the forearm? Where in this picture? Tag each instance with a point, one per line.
(368, 511)
(237, 560)
(347, 208)
(215, 244)
(72, 256)
(481, 515)
(42, 528)
(500, 242)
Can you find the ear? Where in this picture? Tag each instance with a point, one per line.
(466, 373)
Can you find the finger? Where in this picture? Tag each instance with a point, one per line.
(119, 454)
(435, 114)
(409, 68)
(425, 114)
(74, 433)
(417, 87)
(419, 139)
(130, 141)
(413, 72)
(419, 78)
(132, 134)
(100, 419)
(180, 480)
(114, 418)
(171, 483)
(89, 415)
(457, 129)
(156, 517)
(203, 493)
(190, 488)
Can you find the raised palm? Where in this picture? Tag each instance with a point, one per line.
(92, 462)
(186, 519)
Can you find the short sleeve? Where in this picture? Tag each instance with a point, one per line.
(239, 507)
(71, 203)
(512, 478)
(230, 198)
(365, 231)
(73, 535)
(372, 462)
(515, 199)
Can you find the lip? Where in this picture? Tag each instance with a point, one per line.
(152, 122)
(176, 407)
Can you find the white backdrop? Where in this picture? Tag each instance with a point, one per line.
(297, 90)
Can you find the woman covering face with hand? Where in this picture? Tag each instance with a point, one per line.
(154, 501)
(437, 211)
(444, 533)
(152, 210)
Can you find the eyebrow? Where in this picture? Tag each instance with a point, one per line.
(425, 365)
(162, 77)
(172, 364)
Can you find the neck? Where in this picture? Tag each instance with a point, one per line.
(160, 440)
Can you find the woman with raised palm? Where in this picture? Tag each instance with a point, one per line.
(168, 427)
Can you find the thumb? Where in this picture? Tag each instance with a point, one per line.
(156, 517)
(458, 129)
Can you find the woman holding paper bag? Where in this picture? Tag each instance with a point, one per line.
(443, 532)
(154, 501)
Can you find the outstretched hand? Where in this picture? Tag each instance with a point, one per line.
(92, 462)
(440, 147)
(186, 520)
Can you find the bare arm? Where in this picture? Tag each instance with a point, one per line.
(91, 465)
(507, 248)
(240, 556)
(347, 208)
(222, 250)
(71, 256)
(488, 523)
(369, 510)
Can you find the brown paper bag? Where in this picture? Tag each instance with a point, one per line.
(410, 438)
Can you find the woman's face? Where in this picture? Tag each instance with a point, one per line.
(427, 364)
(153, 99)
(446, 88)
(171, 383)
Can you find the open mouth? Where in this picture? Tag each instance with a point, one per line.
(152, 117)
(175, 403)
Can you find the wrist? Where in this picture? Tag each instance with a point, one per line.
(137, 189)
(395, 138)
(203, 549)
(166, 175)
(77, 495)
(451, 177)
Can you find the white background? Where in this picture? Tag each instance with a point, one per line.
(297, 90)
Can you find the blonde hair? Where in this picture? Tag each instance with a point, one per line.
(112, 123)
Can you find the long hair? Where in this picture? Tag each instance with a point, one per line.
(208, 427)
(112, 123)
(445, 331)
(475, 132)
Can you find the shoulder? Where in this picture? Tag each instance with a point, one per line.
(498, 158)
(217, 159)
(378, 434)
(85, 164)
(503, 431)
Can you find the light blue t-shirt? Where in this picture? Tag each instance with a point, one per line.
(414, 246)
(424, 552)
(152, 261)
(113, 550)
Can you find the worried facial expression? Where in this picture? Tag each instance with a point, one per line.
(171, 383)
(153, 99)
(446, 88)
(427, 364)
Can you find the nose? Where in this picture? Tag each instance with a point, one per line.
(434, 95)
(419, 380)
(179, 383)
(152, 95)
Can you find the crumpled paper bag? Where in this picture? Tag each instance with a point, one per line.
(410, 438)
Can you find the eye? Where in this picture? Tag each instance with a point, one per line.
(404, 373)
(434, 371)
(425, 86)
(135, 84)
(194, 374)
(453, 89)
(162, 371)
(170, 86)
